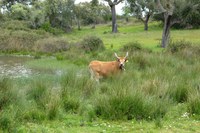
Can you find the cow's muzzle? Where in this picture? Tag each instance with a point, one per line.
(121, 66)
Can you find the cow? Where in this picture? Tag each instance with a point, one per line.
(100, 69)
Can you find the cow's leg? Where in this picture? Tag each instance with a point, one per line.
(92, 75)
(97, 77)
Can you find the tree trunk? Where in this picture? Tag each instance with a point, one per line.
(114, 20)
(166, 30)
(78, 24)
(146, 22)
(94, 24)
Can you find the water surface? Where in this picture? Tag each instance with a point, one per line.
(14, 66)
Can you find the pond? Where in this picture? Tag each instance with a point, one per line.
(14, 66)
(17, 66)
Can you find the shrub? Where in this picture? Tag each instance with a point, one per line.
(15, 25)
(47, 27)
(51, 45)
(132, 46)
(92, 43)
(18, 41)
(59, 57)
(175, 47)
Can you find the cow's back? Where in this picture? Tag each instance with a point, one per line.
(103, 68)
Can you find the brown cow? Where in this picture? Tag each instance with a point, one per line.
(99, 69)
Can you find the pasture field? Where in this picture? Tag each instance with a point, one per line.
(158, 92)
(133, 32)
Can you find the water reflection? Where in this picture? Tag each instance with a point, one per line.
(13, 66)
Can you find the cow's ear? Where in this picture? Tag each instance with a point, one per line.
(118, 59)
(126, 60)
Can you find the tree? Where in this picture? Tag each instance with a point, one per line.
(142, 9)
(94, 6)
(177, 12)
(20, 12)
(186, 14)
(86, 13)
(37, 14)
(112, 5)
(167, 8)
(192, 13)
(60, 13)
(126, 11)
(78, 13)
(6, 4)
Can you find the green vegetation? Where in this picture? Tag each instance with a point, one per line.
(159, 91)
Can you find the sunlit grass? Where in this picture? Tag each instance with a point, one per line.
(133, 31)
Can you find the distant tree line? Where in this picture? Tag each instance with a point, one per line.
(62, 14)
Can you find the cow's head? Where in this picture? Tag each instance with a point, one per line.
(122, 61)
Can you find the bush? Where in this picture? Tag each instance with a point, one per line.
(175, 47)
(47, 27)
(51, 45)
(185, 50)
(59, 57)
(92, 44)
(18, 41)
(132, 46)
(15, 25)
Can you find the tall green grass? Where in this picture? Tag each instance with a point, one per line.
(153, 84)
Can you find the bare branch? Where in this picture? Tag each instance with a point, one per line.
(176, 22)
(159, 5)
(109, 2)
(115, 2)
(171, 8)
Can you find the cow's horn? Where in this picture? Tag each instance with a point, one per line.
(126, 54)
(116, 55)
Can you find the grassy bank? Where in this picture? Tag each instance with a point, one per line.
(158, 92)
